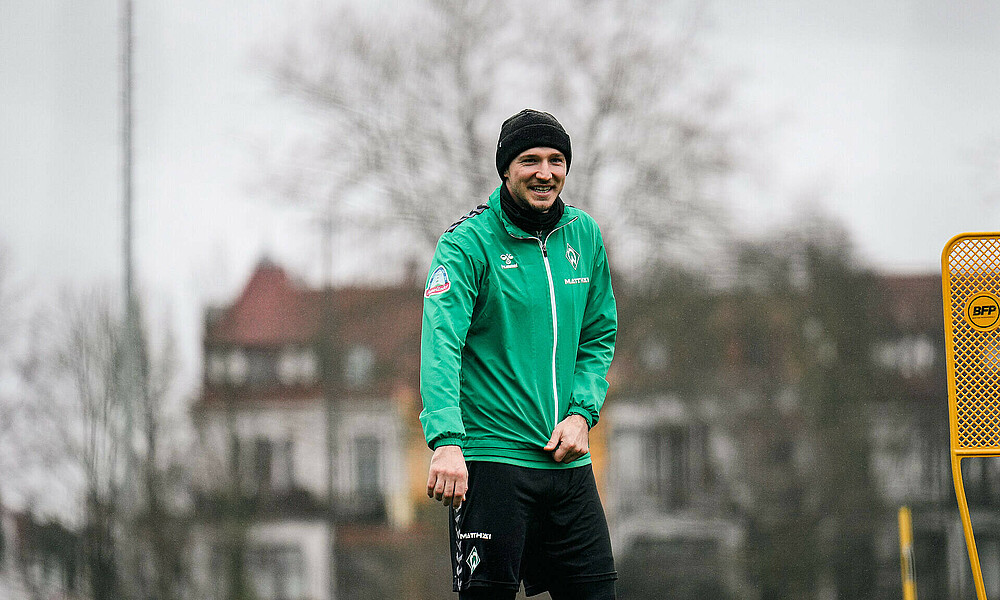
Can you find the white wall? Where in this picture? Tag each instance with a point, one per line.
(312, 538)
(304, 423)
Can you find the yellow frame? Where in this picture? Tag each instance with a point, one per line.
(970, 263)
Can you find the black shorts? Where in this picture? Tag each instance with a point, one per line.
(543, 526)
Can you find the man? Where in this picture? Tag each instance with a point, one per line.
(518, 332)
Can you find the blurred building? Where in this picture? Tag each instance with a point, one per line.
(709, 458)
(262, 422)
(38, 560)
(675, 529)
(261, 479)
(711, 442)
(672, 526)
(911, 453)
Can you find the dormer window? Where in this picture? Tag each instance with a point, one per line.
(216, 368)
(297, 366)
(308, 366)
(237, 367)
(288, 370)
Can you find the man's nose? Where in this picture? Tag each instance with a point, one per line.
(544, 171)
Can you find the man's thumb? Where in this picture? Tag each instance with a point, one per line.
(553, 441)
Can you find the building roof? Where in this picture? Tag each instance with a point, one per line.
(271, 311)
(274, 312)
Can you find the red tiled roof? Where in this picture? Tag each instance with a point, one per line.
(273, 311)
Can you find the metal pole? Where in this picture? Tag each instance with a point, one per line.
(126, 107)
(328, 331)
(131, 388)
(906, 562)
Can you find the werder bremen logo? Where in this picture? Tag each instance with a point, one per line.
(473, 560)
(572, 256)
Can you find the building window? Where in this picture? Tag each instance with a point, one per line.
(234, 454)
(263, 457)
(655, 355)
(237, 367)
(910, 355)
(216, 368)
(669, 460)
(981, 477)
(658, 458)
(283, 473)
(268, 465)
(308, 366)
(297, 366)
(359, 366)
(935, 466)
(277, 572)
(368, 465)
(243, 366)
(288, 372)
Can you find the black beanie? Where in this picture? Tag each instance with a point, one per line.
(530, 129)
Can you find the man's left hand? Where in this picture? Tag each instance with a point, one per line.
(570, 439)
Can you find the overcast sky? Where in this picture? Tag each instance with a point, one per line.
(888, 114)
(885, 114)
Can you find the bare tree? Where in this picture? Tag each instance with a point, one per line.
(76, 424)
(804, 318)
(226, 504)
(8, 324)
(8, 301)
(407, 102)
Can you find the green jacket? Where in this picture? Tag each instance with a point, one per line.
(518, 333)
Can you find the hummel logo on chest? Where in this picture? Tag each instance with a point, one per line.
(508, 261)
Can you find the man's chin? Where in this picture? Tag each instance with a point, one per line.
(542, 207)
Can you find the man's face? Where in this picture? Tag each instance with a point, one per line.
(536, 176)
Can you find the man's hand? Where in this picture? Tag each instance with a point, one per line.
(448, 478)
(570, 439)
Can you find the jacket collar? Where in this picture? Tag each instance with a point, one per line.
(514, 230)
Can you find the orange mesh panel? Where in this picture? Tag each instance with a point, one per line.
(972, 266)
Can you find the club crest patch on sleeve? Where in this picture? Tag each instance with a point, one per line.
(439, 282)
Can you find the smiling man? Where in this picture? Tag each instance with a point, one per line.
(518, 333)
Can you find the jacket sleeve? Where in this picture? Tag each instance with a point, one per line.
(597, 343)
(452, 289)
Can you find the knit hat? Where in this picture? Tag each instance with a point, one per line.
(530, 129)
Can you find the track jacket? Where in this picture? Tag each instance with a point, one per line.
(518, 333)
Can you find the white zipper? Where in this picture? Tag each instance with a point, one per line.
(555, 329)
(555, 318)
